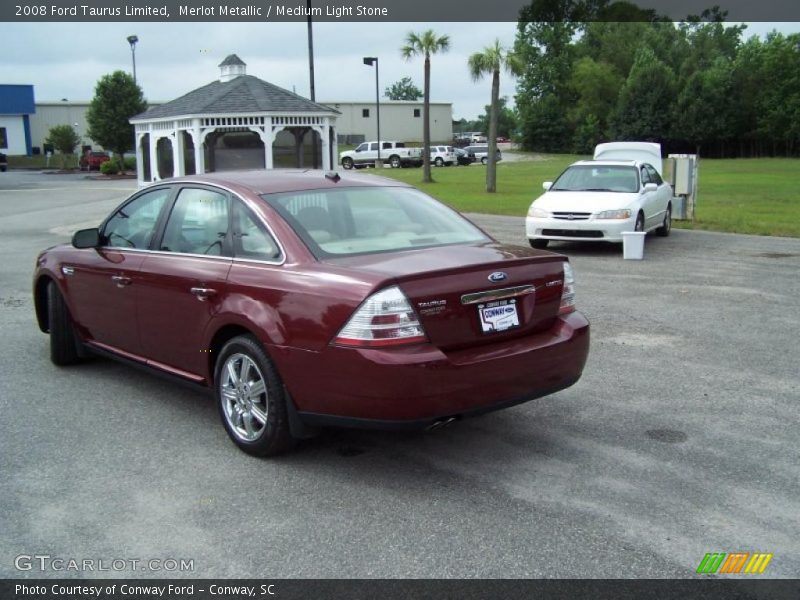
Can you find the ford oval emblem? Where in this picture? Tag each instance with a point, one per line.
(498, 276)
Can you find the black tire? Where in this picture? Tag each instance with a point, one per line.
(394, 162)
(666, 227)
(273, 437)
(639, 226)
(539, 244)
(347, 162)
(439, 162)
(63, 342)
(484, 160)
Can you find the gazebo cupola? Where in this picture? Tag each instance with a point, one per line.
(231, 67)
(236, 121)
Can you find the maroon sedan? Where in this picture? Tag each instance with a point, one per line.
(303, 299)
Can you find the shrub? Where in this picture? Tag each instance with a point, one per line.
(130, 163)
(109, 167)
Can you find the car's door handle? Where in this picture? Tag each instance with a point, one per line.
(202, 293)
(121, 280)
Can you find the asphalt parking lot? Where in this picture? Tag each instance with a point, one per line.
(682, 438)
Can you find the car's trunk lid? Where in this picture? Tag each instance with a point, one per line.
(473, 295)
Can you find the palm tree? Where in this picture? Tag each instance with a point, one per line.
(425, 43)
(491, 60)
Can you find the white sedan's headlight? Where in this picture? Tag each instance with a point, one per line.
(614, 214)
(538, 213)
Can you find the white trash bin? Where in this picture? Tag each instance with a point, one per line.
(633, 245)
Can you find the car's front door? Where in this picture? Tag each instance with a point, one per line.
(104, 284)
(664, 193)
(184, 281)
(649, 200)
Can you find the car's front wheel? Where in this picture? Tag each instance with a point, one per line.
(666, 227)
(639, 226)
(63, 342)
(347, 162)
(250, 398)
(484, 160)
(539, 244)
(439, 162)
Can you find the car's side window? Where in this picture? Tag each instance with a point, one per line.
(198, 223)
(373, 146)
(654, 176)
(645, 176)
(362, 147)
(133, 225)
(250, 238)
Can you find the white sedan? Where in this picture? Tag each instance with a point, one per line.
(596, 200)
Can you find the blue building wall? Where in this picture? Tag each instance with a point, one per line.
(17, 100)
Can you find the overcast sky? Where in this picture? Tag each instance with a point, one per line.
(65, 60)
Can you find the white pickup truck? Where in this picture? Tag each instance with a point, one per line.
(394, 153)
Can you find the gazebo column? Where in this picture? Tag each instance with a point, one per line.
(199, 155)
(154, 175)
(326, 146)
(178, 164)
(139, 160)
(334, 147)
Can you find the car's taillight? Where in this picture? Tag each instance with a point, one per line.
(384, 319)
(568, 291)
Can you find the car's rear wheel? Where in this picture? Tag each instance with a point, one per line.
(439, 162)
(539, 244)
(666, 227)
(63, 342)
(394, 162)
(250, 398)
(639, 223)
(347, 162)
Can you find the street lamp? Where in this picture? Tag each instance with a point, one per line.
(132, 39)
(373, 60)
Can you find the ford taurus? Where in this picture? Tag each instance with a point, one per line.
(304, 299)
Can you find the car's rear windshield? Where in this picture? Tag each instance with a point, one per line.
(365, 220)
(597, 178)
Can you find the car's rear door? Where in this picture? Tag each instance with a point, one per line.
(183, 283)
(103, 284)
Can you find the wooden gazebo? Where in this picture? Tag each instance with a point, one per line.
(238, 121)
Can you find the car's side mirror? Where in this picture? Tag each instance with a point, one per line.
(86, 238)
(547, 185)
(650, 187)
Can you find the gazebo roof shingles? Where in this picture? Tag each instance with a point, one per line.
(244, 94)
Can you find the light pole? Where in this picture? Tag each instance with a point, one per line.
(373, 60)
(132, 39)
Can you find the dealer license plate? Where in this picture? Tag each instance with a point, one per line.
(498, 316)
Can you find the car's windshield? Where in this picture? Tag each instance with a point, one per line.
(596, 178)
(365, 220)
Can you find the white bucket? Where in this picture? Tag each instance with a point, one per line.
(633, 245)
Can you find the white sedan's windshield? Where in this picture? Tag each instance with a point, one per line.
(589, 178)
(363, 220)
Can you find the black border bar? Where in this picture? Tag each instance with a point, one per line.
(740, 588)
(383, 10)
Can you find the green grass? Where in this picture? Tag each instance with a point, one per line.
(755, 196)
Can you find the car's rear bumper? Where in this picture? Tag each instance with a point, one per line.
(589, 230)
(415, 386)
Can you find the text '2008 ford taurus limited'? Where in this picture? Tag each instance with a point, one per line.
(303, 299)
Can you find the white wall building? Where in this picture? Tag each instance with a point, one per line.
(401, 120)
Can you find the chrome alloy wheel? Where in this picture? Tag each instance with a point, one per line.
(243, 393)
